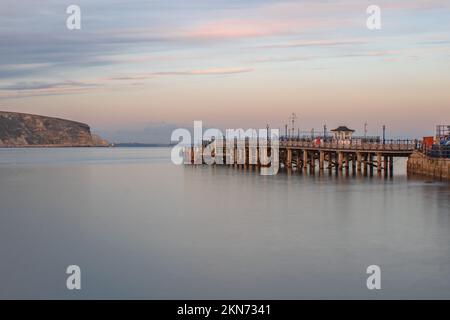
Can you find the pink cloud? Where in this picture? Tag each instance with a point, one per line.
(225, 29)
(287, 18)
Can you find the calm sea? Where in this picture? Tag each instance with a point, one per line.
(140, 227)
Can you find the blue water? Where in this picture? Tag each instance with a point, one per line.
(140, 227)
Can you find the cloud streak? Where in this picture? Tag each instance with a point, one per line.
(37, 85)
(40, 88)
(200, 72)
(315, 43)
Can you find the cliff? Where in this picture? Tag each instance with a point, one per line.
(27, 130)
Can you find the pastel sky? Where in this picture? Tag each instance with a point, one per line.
(232, 63)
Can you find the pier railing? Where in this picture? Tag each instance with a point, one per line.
(387, 145)
(391, 145)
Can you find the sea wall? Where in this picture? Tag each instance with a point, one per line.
(420, 164)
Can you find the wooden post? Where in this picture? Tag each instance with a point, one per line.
(305, 159)
(312, 163)
(359, 161)
(321, 160)
(224, 152)
(340, 159)
(330, 161)
(196, 152)
(347, 162)
(386, 165)
(379, 163)
(241, 158)
(391, 166)
(366, 156)
(246, 156)
(235, 156)
(202, 152)
(249, 157)
(289, 158)
(353, 163)
(336, 162)
(258, 160)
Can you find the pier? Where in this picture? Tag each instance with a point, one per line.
(310, 155)
(346, 156)
(340, 152)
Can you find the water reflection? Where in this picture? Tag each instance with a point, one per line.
(140, 227)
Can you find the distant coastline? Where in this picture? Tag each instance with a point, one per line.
(142, 145)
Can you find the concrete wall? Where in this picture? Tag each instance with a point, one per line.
(419, 164)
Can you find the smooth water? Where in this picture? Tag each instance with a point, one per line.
(141, 227)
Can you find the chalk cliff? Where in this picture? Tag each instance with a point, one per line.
(27, 130)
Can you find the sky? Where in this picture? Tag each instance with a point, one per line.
(142, 68)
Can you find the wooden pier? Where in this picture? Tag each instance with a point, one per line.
(313, 155)
(344, 156)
